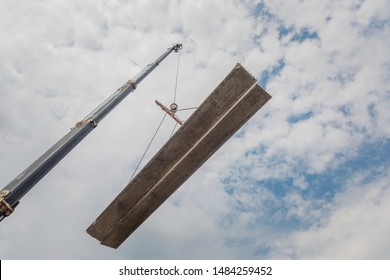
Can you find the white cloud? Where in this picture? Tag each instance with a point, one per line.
(61, 59)
(356, 227)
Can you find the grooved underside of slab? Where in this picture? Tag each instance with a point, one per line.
(236, 99)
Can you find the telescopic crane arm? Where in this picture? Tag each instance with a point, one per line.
(25, 181)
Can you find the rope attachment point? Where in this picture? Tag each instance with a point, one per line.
(171, 112)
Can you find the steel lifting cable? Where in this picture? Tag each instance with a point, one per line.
(177, 75)
(147, 148)
(173, 130)
(185, 109)
(158, 128)
(174, 94)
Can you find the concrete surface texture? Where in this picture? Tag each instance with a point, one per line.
(236, 99)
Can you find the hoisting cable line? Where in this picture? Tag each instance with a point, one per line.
(177, 110)
(177, 75)
(173, 130)
(147, 148)
(158, 128)
(185, 109)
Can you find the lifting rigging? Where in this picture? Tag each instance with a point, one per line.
(173, 108)
(171, 111)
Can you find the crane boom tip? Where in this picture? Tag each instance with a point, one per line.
(177, 47)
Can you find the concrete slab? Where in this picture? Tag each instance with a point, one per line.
(227, 108)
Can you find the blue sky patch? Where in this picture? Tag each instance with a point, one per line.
(345, 110)
(322, 187)
(300, 117)
(298, 36)
(284, 31)
(262, 11)
(266, 75)
(376, 25)
(304, 34)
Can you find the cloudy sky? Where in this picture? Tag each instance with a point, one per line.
(306, 178)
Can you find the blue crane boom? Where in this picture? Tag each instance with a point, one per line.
(25, 181)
